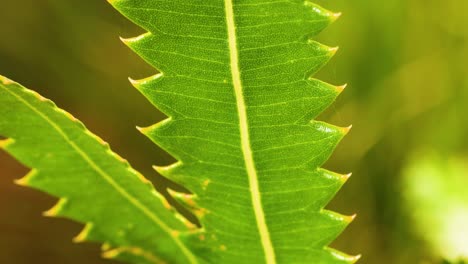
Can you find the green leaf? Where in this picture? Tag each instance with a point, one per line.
(97, 187)
(235, 82)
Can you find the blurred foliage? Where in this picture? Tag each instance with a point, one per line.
(405, 62)
(435, 191)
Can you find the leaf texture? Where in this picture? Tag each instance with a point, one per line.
(96, 187)
(235, 82)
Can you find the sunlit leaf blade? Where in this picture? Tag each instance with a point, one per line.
(235, 83)
(95, 186)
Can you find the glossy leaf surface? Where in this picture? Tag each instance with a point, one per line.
(96, 186)
(235, 82)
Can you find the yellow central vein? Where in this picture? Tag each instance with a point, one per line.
(109, 179)
(245, 139)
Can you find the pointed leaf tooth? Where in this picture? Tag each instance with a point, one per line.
(310, 107)
(168, 171)
(317, 230)
(341, 88)
(133, 40)
(185, 199)
(345, 177)
(355, 259)
(318, 199)
(333, 50)
(342, 178)
(345, 130)
(173, 173)
(335, 223)
(139, 45)
(350, 218)
(326, 88)
(84, 234)
(151, 88)
(146, 83)
(26, 180)
(329, 128)
(152, 129)
(187, 175)
(323, 52)
(342, 257)
(324, 14)
(335, 16)
(57, 209)
(143, 130)
(330, 137)
(339, 218)
(132, 255)
(164, 134)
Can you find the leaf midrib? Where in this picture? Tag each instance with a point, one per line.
(107, 178)
(245, 136)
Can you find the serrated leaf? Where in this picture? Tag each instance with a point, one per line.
(97, 187)
(235, 83)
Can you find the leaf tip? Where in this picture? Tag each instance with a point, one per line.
(143, 130)
(187, 200)
(345, 177)
(26, 180)
(356, 258)
(167, 170)
(161, 169)
(344, 257)
(56, 209)
(349, 218)
(132, 81)
(132, 40)
(345, 130)
(142, 82)
(83, 235)
(333, 50)
(335, 16)
(341, 88)
(127, 41)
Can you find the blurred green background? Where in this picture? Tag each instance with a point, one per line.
(406, 65)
